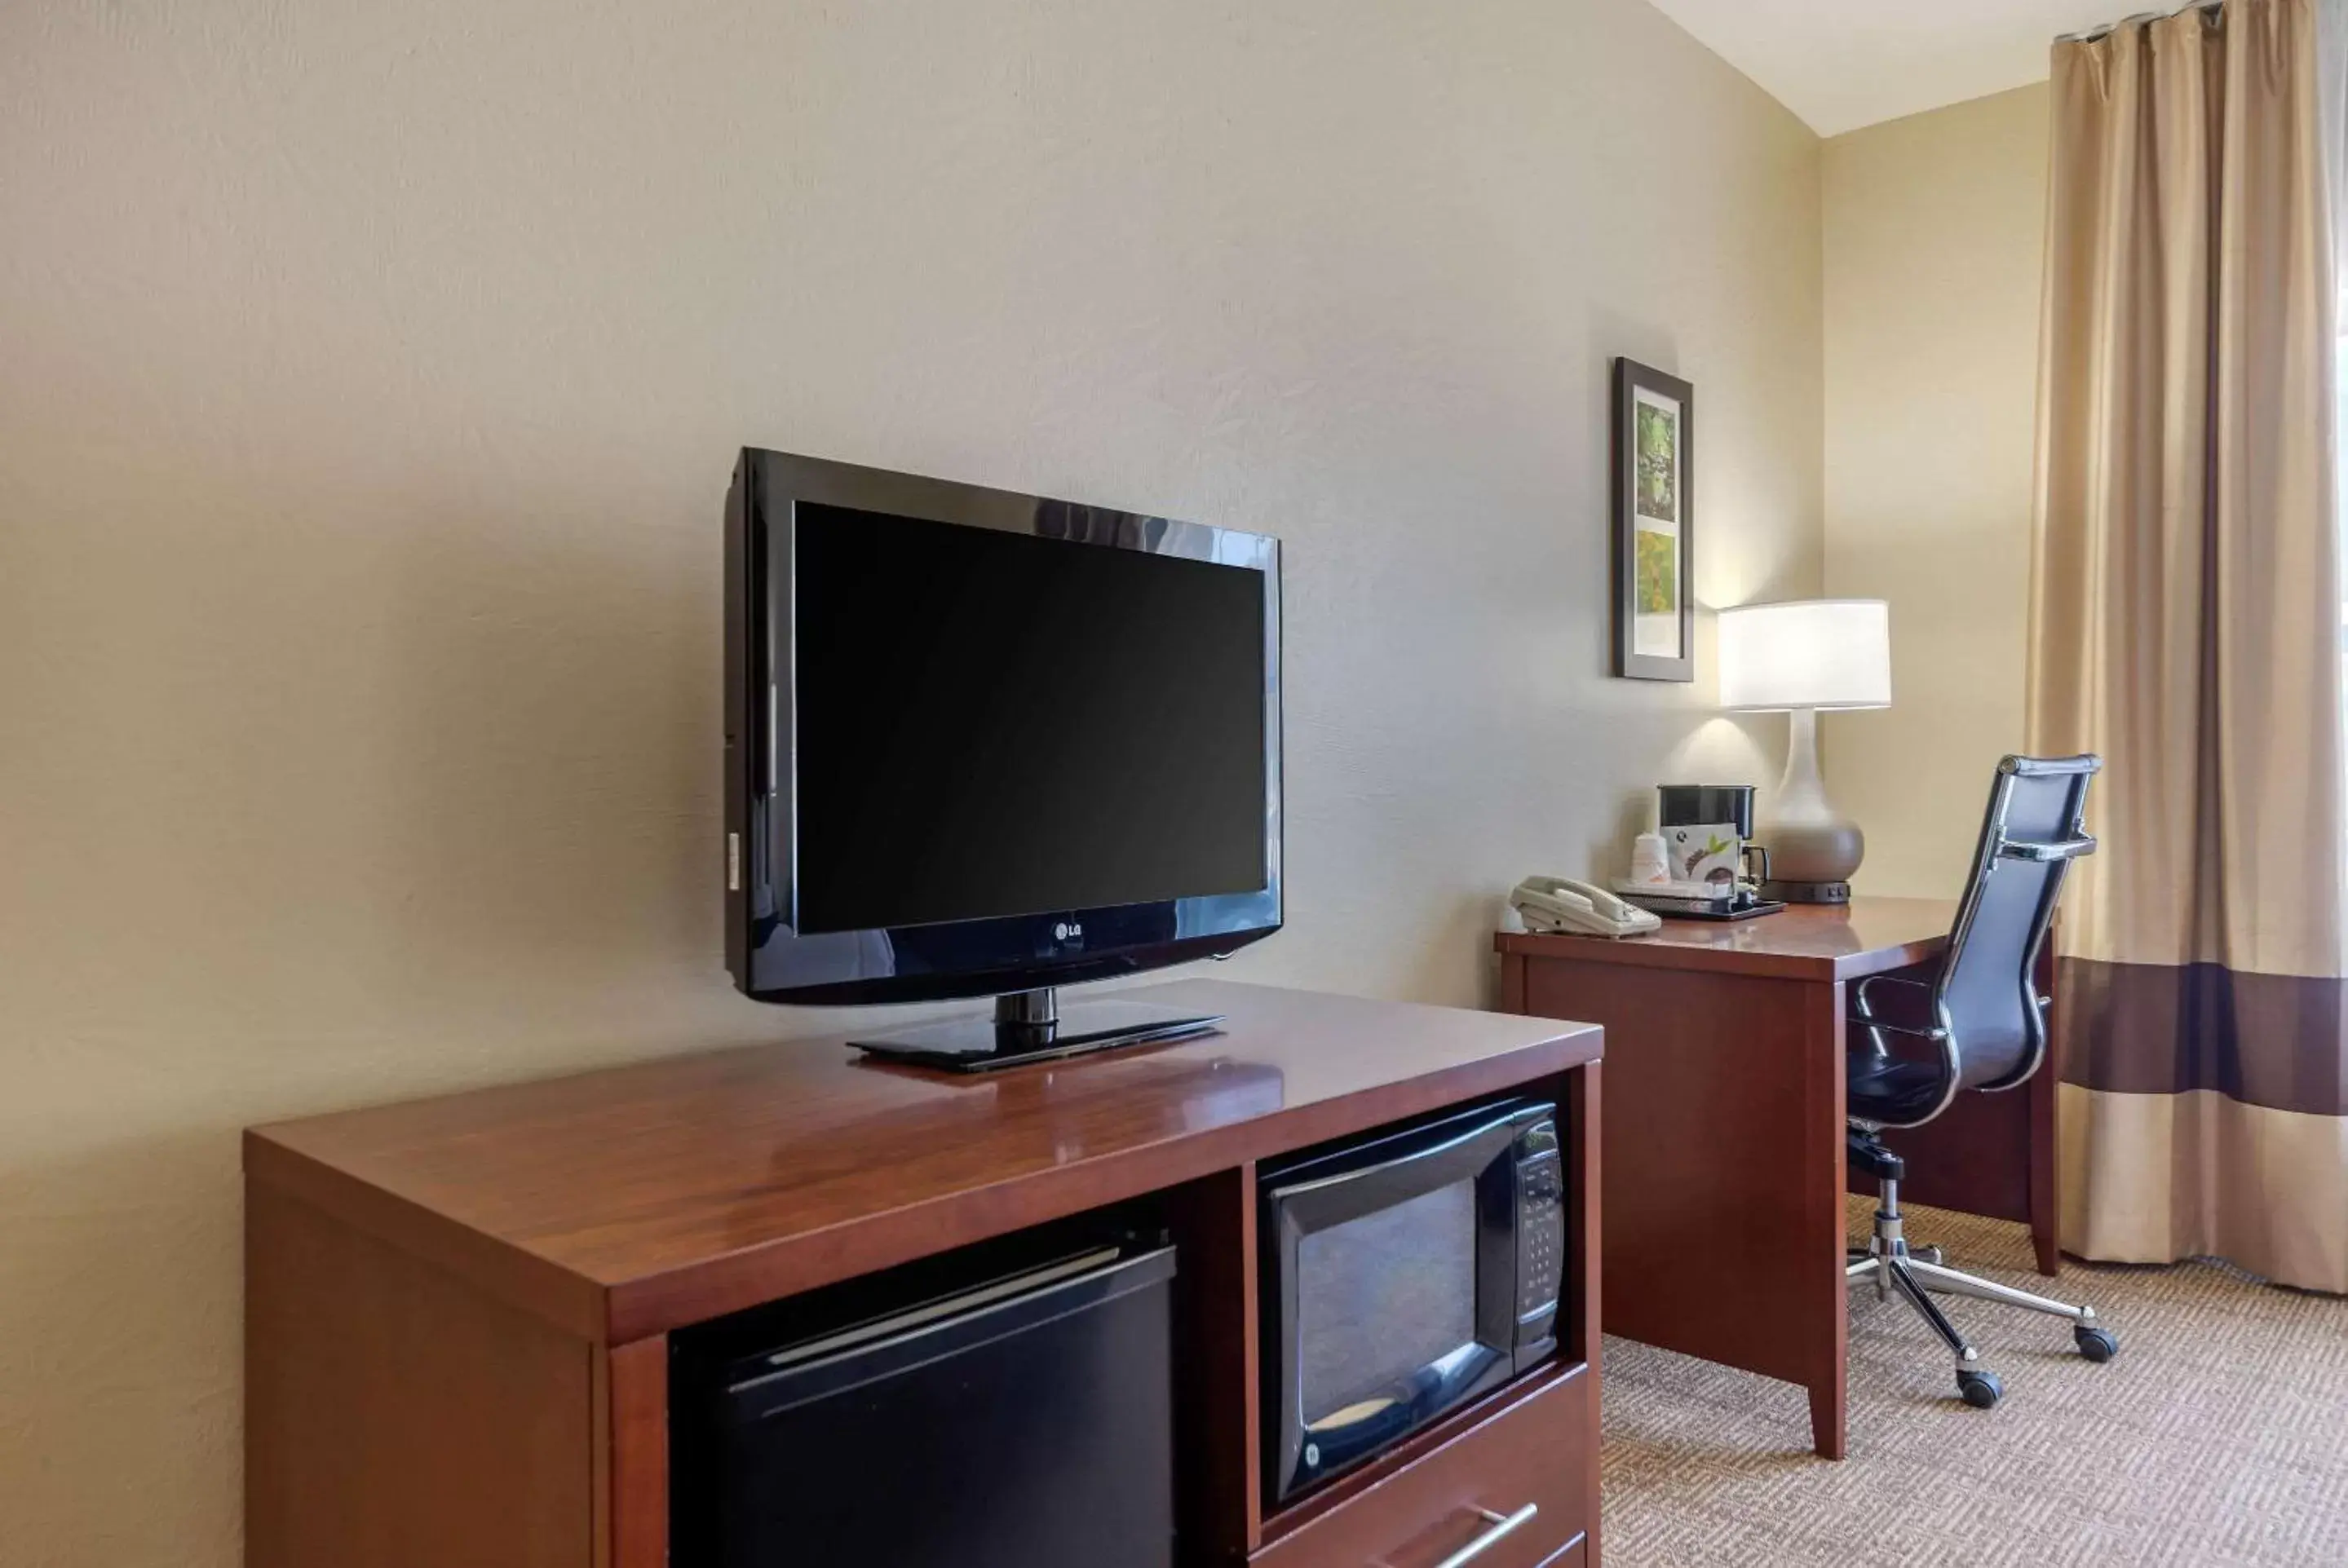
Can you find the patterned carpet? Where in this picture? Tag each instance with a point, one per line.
(2219, 1435)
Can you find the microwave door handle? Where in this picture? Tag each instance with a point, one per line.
(1403, 1160)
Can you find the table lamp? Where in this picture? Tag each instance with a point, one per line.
(1803, 656)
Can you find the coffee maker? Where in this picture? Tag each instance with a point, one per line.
(1712, 870)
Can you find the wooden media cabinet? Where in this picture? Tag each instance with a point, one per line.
(457, 1309)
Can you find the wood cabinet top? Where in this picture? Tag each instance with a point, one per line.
(627, 1201)
(1803, 941)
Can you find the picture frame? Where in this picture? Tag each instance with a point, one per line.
(1654, 524)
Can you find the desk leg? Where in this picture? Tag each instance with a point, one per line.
(2045, 1174)
(2043, 1236)
(1724, 1145)
(1827, 1317)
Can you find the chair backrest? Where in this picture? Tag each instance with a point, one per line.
(1986, 994)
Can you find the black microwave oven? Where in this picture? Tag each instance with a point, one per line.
(1404, 1274)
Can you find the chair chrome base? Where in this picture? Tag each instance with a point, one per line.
(1916, 1276)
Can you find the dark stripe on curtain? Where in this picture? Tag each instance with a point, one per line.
(2155, 1029)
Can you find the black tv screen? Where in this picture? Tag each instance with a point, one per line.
(991, 724)
(981, 742)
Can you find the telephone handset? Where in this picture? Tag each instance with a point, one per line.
(1561, 904)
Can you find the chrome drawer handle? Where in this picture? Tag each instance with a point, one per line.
(1501, 1525)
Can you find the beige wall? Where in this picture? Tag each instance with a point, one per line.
(370, 379)
(1934, 226)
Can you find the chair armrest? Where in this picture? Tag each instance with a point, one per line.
(1858, 992)
(1888, 979)
(1933, 1032)
(1877, 1026)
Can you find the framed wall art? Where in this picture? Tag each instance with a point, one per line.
(1654, 527)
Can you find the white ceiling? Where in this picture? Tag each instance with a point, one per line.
(1843, 64)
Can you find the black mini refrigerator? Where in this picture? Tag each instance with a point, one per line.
(977, 1413)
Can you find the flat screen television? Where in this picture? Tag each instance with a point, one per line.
(983, 744)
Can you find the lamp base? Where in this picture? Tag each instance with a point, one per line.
(1808, 892)
(1813, 846)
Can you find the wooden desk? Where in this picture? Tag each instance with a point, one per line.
(1724, 1159)
(457, 1310)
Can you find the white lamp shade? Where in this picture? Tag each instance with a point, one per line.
(1806, 653)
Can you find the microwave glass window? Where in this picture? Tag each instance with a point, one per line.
(1381, 1297)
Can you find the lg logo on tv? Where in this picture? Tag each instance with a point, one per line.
(1067, 931)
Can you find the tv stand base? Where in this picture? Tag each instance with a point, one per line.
(1028, 1026)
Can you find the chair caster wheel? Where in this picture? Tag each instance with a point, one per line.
(1982, 1391)
(1931, 1255)
(2096, 1344)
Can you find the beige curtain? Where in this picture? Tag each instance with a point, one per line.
(2186, 617)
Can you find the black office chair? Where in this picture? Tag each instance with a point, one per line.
(1977, 1023)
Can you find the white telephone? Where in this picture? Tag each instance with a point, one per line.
(1561, 904)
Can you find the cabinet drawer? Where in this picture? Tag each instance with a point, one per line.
(1533, 1449)
(1574, 1556)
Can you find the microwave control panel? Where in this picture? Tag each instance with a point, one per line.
(1540, 1226)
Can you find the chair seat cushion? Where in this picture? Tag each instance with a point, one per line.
(1886, 1089)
